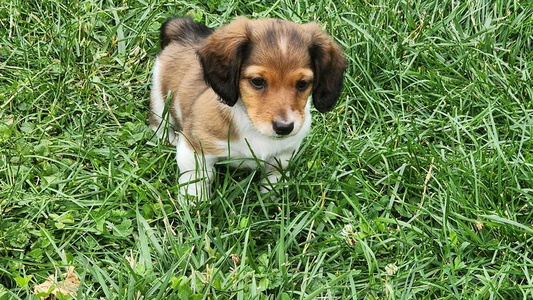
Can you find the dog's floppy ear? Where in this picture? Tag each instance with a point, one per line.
(328, 66)
(221, 56)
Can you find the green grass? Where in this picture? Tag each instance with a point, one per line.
(419, 185)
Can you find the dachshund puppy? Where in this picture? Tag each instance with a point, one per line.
(240, 91)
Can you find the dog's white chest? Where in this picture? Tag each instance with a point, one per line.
(252, 146)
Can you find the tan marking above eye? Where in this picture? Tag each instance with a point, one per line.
(259, 71)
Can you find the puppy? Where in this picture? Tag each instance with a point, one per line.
(241, 91)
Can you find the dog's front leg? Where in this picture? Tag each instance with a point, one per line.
(273, 170)
(196, 171)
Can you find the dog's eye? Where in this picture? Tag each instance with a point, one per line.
(258, 82)
(301, 85)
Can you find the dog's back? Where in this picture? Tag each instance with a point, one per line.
(184, 31)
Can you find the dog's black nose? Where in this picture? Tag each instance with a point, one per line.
(283, 128)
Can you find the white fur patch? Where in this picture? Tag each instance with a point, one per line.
(283, 44)
(253, 144)
(164, 129)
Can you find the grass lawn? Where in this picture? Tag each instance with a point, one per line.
(418, 185)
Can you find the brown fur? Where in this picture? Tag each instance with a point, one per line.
(273, 103)
(193, 98)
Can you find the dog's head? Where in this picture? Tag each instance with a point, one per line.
(273, 66)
